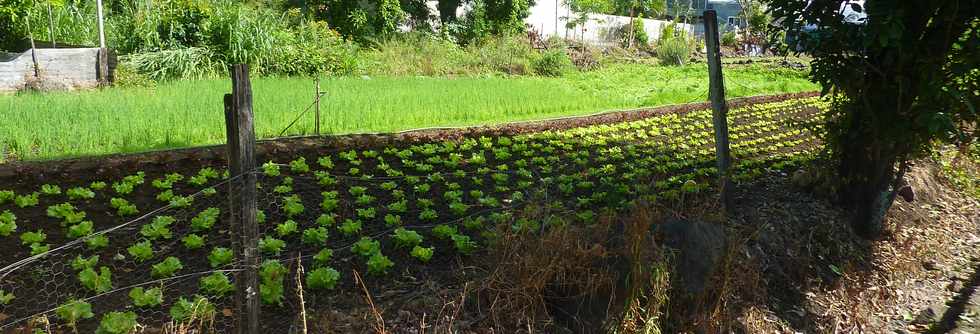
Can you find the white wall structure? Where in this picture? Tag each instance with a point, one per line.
(550, 18)
(58, 69)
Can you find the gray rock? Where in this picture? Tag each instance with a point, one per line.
(700, 248)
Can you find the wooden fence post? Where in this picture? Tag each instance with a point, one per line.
(716, 92)
(242, 194)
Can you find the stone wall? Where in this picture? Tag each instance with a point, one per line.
(58, 69)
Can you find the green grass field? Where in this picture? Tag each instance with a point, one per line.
(189, 113)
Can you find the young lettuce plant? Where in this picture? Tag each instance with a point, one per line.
(166, 268)
(271, 276)
(406, 238)
(186, 311)
(141, 251)
(147, 298)
(117, 323)
(220, 256)
(325, 278)
(8, 223)
(216, 285)
(97, 282)
(73, 311)
(423, 254)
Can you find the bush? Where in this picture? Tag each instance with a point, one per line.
(640, 37)
(176, 64)
(506, 54)
(674, 51)
(552, 63)
(126, 75)
(728, 39)
(416, 54)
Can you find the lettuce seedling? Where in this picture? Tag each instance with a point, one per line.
(50, 189)
(8, 223)
(141, 251)
(78, 193)
(286, 228)
(117, 323)
(378, 264)
(406, 238)
(315, 236)
(97, 282)
(443, 231)
(220, 256)
(184, 311)
(97, 242)
(97, 185)
(28, 238)
(299, 166)
(270, 245)
(73, 311)
(79, 230)
(81, 263)
(322, 258)
(205, 220)
(393, 220)
(193, 241)
(423, 254)
(217, 284)
(29, 200)
(271, 275)
(350, 227)
(326, 220)
(146, 298)
(366, 246)
(463, 244)
(7, 196)
(166, 268)
(322, 278)
(270, 169)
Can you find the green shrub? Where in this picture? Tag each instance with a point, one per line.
(176, 64)
(674, 51)
(552, 63)
(728, 39)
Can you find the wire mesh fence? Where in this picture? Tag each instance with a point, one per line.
(374, 212)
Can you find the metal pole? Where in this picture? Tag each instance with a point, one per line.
(54, 44)
(716, 92)
(101, 25)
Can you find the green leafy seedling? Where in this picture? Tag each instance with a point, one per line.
(423, 254)
(141, 251)
(166, 268)
(117, 323)
(406, 238)
(217, 284)
(152, 297)
(220, 256)
(192, 241)
(73, 311)
(322, 278)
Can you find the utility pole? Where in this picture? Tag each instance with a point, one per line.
(103, 52)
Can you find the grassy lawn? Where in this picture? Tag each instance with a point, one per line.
(190, 113)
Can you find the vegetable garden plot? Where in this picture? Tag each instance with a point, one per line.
(382, 211)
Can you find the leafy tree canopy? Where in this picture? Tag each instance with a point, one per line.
(904, 78)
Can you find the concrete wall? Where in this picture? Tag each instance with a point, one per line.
(550, 17)
(59, 69)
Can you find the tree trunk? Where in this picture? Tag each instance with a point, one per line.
(631, 36)
(867, 165)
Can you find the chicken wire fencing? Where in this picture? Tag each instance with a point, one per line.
(146, 271)
(374, 211)
(173, 269)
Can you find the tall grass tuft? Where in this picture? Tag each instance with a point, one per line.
(184, 63)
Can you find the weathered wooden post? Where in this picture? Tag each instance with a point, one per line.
(242, 194)
(716, 92)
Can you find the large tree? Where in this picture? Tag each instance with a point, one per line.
(904, 79)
